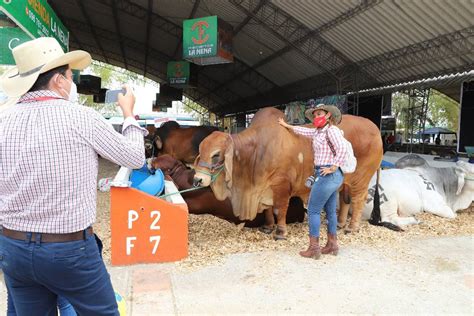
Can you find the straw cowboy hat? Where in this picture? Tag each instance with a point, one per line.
(35, 57)
(336, 115)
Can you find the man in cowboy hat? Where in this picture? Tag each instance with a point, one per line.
(48, 174)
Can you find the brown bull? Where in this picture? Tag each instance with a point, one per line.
(203, 201)
(263, 166)
(180, 142)
(259, 169)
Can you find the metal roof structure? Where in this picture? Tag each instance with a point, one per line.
(284, 49)
(447, 84)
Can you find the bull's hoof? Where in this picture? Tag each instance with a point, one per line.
(266, 230)
(340, 226)
(280, 233)
(351, 229)
(279, 237)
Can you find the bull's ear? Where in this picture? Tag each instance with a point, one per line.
(196, 161)
(228, 163)
(460, 173)
(158, 142)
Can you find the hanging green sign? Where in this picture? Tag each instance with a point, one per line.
(37, 19)
(10, 37)
(178, 73)
(200, 37)
(207, 41)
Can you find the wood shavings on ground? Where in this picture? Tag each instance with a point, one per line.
(211, 238)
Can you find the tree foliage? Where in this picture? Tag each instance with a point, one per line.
(442, 110)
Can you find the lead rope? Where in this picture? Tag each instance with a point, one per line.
(213, 178)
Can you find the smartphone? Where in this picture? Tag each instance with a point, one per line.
(111, 96)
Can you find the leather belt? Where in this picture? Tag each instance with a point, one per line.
(47, 237)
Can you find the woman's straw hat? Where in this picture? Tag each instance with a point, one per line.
(336, 115)
(35, 57)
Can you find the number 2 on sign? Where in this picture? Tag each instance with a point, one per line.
(154, 226)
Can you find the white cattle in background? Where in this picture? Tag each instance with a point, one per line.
(418, 188)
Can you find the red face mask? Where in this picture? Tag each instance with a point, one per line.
(320, 121)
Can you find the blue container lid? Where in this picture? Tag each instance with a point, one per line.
(386, 164)
(145, 181)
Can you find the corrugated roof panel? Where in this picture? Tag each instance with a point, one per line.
(395, 24)
(171, 10)
(421, 69)
(219, 73)
(281, 71)
(249, 50)
(242, 89)
(264, 36)
(164, 42)
(303, 65)
(132, 27)
(314, 13)
(229, 13)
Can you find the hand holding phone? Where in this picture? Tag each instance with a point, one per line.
(126, 101)
(111, 96)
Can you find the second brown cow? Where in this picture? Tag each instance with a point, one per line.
(203, 201)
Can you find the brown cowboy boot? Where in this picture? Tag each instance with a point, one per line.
(313, 250)
(331, 246)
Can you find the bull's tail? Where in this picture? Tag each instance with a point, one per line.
(375, 218)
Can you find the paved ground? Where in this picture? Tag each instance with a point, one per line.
(433, 276)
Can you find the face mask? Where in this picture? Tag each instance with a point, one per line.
(320, 121)
(72, 95)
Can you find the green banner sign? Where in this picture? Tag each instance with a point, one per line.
(200, 37)
(10, 37)
(37, 19)
(178, 73)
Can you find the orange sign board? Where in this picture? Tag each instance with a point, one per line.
(146, 229)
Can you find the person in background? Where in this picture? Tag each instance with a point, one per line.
(48, 175)
(398, 138)
(329, 153)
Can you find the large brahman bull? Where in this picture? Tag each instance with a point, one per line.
(419, 187)
(260, 168)
(180, 142)
(203, 201)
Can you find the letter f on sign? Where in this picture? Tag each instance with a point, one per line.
(130, 244)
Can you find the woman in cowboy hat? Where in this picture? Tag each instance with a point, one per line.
(48, 175)
(329, 152)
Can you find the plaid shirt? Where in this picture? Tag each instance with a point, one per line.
(322, 152)
(49, 151)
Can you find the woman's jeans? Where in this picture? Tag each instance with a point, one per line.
(323, 195)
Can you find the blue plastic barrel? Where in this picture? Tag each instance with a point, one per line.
(144, 181)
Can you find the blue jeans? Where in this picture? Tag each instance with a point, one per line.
(323, 194)
(64, 307)
(37, 273)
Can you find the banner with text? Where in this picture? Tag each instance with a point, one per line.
(10, 37)
(178, 73)
(37, 19)
(207, 41)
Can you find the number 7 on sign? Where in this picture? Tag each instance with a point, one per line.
(155, 239)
